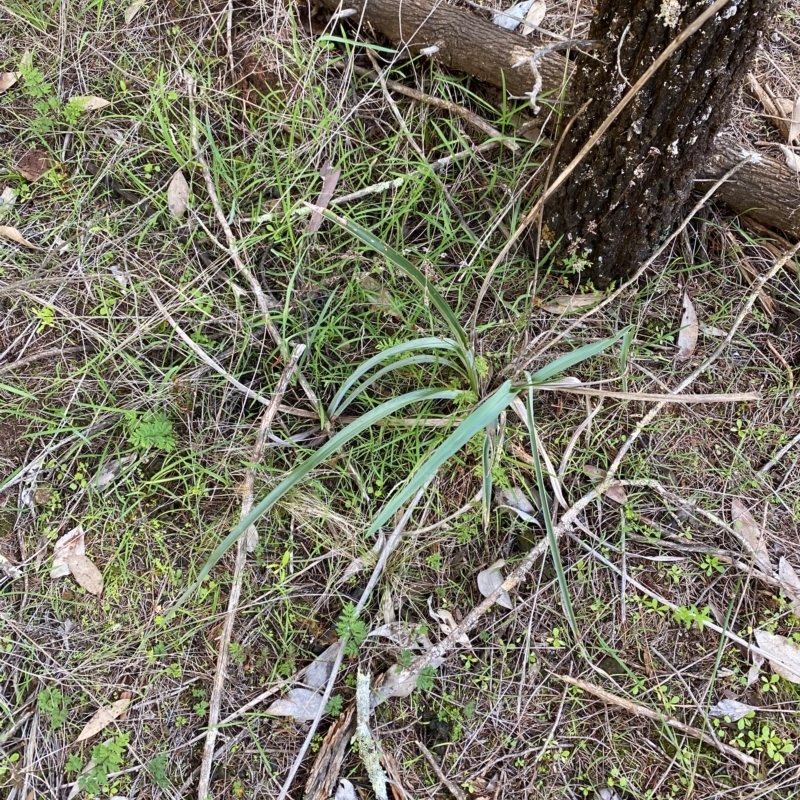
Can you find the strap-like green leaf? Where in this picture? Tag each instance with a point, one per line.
(301, 470)
(402, 363)
(486, 413)
(574, 357)
(413, 272)
(426, 343)
(552, 542)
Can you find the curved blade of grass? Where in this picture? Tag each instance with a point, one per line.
(578, 355)
(548, 520)
(627, 340)
(486, 413)
(401, 262)
(425, 343)
(301, 470)
(486, 499)
(404, 362)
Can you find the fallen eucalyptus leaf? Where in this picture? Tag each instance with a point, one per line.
(110, 471)
(755, 669)
(177, 195)
(687, 336)
(132, 10)
(404, 634)
(447, 623)
(567, 303)
(8, 79)
(492, 578)
(732, 709)
(86, 573)
(711, 330)
(750, 532)
(83, 103)
(330, 177)
(319, 670)
(33, 164)
(511, 18)
(516, 499)
(783, 655)
(11, 233)
(534, 17)
(794, 122)
(614, 492)
(302, 704)
(102, 718)
(72, 543)
(790, 583)
(792, 158)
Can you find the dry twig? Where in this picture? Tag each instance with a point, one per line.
(238, 573)
(643, 711)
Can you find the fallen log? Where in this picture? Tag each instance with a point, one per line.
(765, 188)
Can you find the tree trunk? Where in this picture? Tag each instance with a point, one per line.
(768, 190)
(625, 195)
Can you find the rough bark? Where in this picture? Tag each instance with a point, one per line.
(626, 193)
(767, 189)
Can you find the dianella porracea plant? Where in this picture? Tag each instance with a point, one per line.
(472, 413)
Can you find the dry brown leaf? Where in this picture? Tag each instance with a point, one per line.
(510, 18)
(534, 17)
(687, 337)
(72, 543)
(177, 195)
(614, 492)
(90, 102)
(492, 578)
(34, 164)
(102, 718)
(319, 670)
(790, 584)
(567, 303)
(11, 233)
(792, 158)
(132, 10)
(774, 106)
(794, 122)
(8, 79)
(730, 708)
(751, 534)
(302, 704)
(782, 653)
(330, 177)
(86, 573)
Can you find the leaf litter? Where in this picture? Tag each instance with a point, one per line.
(301, 704)
(783, 654)
(687, 337)
(751, 534)
(790, 584)
(102, 718)
(12, 234)
(69, 558)
(732, 709)
(491, 579)
(8, 79)
(177, 195)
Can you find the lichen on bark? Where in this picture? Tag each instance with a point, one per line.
(626, 194)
